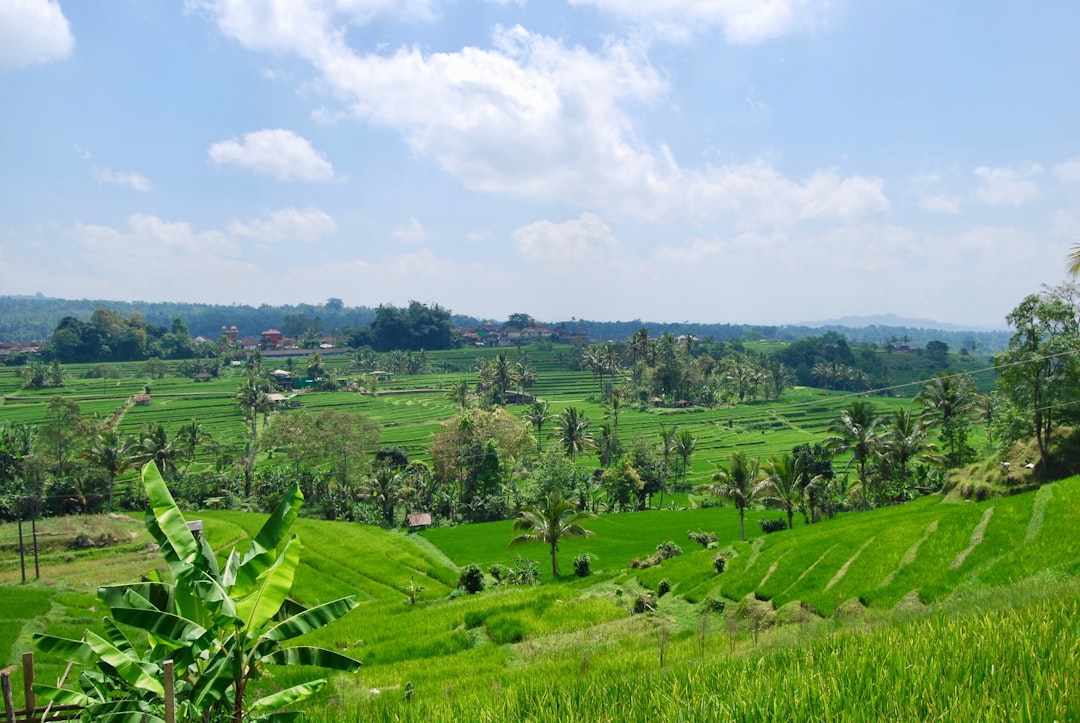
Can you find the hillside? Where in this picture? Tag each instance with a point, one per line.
(856, 585)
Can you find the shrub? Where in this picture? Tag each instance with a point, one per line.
(523, 572)
(583, 565)
(776, 525)
(497, 571)
(719, 562)
(702, 538)
(715, 605)
(644, 602)
(471, 580)
(667, 550)
(663, 588)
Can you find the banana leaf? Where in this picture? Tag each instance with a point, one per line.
(312, 619)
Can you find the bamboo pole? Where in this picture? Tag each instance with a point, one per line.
(170, 696)
(28, 683)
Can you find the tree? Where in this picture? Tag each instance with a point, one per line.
(58, 434)
(856, 433)
(253, 398)
(685, 444)
(906, 439)
(383, 486)
(622, 483)
(949, 403)
(738, 483)
(154, 445)
(107, 452)
(190, 437)
(573, 432)
(538, 413)
(221, 627)
(1038, 372)
(783, 484)
(550, 522)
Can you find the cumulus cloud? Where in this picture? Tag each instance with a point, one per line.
(586, 239)
(131, 179)
(274, 152)
(286, 225)
(533, 118)
(940, 203)
(745, 22)
(1007, 186)
(413, 233)
(1069, 171)
(33, 32)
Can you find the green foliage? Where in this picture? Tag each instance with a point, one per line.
(719, 562)
(769, 526)
(583, 565)
(471, 580)
(221, 627)
(702, 538)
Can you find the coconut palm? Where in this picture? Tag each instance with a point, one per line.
(154, 445)
(856, 433)
(950, 402)
(190, 436)
(685, 444)
(738, 484)
(906, 440)
(252, 396)
(784, 484)
(549, 522)
(106, 452)
(384, 486)
(537, 415)
(573, 432)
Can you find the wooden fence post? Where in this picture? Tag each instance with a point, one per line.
(28, 683)
(9, 702)
(170, 695)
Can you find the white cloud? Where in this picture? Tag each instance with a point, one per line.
(133, 180)
(1065, 225)
(413, 233)
(1007, 186)
(940, 203)
(32, 32)
(286, 225)
(1069, 171)
(586, 239)
(279, 153)
(532, 118)
(745, 22)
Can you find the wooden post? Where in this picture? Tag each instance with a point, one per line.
(28, 682)
(170, 695)
(9, 702)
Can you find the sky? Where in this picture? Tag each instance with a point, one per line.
(738, 161)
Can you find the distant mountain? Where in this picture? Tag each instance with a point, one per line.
(892, 320)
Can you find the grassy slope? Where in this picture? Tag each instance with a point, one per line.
(507, 651)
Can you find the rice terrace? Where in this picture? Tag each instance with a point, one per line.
(498, 525)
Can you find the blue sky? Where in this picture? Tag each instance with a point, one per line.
(744, 161)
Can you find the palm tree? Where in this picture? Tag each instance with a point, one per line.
(384, 485)
(106, 451)
(573, 432)
(190, 436)
(739, 484)
(856, 433)
(252, 398)
(949, 402)
(784, 484)
(907, 439)
(461, 394)
(549, 522)
(537, 415)
(153, 445)
(685, 444)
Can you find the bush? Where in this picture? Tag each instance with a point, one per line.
(702, 538)
(497, 571)
(663, 588)
(523, 572)
(583, 565)
(719, 562)
(667, 550)
(776, 525)
(644, 602)
(471, 580)
(715, 605)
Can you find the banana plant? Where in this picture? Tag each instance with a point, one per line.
(220, 625)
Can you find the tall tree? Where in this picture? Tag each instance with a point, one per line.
(57, 436)
(538, 413)
(107, 452)
(739, 483)
(252, 396)
(1039, 372)
(573, 432)
(856, 433)
(949, 403)
(783, 484)
(553, 520)
(906, 439)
